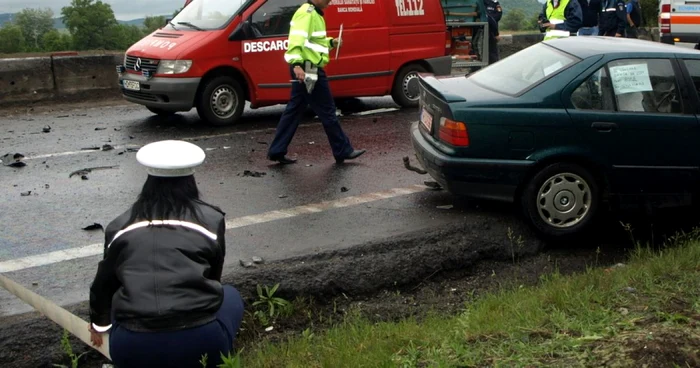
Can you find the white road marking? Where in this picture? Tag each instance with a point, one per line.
(97, 249)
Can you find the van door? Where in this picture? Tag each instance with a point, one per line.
(362, 67)
(263, 54)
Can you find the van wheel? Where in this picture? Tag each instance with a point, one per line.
(561, 200)
(406, 89)
(160, 112)
(221, 101)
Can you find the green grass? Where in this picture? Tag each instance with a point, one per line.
(589, 319)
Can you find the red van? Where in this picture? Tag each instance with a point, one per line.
(216, 54)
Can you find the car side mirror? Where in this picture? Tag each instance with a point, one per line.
(243, 31)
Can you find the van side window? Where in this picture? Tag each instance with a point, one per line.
(595, 93)
(645, 85)
(272, 19)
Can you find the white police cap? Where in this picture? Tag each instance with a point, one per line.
(170, 158)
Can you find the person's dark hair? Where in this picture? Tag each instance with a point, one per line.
(167, 198)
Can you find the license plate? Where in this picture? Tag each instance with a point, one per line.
(132, 85)
(427, 120)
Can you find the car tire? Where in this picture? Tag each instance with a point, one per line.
(405, 89)
(561, 200)
(221, 101)
(160, 112)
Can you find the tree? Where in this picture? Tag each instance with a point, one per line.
(56, 41)
(11, 39)
(650, 13)
(122, 36)
(90, 23)
(513, 20)
(35, 23)
(153, 23)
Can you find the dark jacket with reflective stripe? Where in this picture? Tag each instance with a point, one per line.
(613, 20)
(160, 278)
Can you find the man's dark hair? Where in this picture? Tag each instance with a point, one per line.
(164, 198)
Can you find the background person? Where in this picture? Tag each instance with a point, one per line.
(158, 288)
(590, 9)
(613, 18)
(634, 18)
(494, 12)
(560, 18)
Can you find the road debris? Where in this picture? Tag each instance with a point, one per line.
(255, 174)
(446, 207)
(13, 160)
(107, 147)
(25, 194)
(128, 150)
(94, 226)
(407, 165)
(87, 170)
(344, 189)
(46, 129)
(282, 196)
(93, 148)
(100, 128)
(432, 185)
(245, 264)
(258, 260)
(268, 329)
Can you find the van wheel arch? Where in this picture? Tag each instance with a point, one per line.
(398, 90)
(236, 85)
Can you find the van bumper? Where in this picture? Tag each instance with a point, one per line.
(440, 65)
(672, 38)
(171, 94)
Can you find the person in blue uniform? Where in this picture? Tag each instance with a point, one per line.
(158, 287)
(613, 18)
(494, 12)
(308, 52)
(634, 18)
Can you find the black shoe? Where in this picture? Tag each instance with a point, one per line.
(283, 160)
(353, 155)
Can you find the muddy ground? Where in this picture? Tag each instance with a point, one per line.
(387, 280)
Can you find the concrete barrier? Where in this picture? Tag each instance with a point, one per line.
(27, 79)
(75, 74)
(67, 77)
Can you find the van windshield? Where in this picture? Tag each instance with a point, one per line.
(207, 14)
(523, 70)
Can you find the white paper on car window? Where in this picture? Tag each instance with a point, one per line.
(630, 78)
(552, 68)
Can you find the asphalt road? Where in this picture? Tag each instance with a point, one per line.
(302, 209)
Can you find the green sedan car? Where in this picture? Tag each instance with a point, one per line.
(566, 126)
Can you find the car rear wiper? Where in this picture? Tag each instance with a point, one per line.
(190, 25)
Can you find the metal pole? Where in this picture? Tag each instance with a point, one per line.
(62, 317)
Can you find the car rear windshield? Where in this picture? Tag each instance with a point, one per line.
(523, 70)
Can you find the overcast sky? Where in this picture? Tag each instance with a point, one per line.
(123, 9)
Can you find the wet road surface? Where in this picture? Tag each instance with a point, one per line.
(280, 212)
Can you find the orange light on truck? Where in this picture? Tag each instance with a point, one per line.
(454, 132)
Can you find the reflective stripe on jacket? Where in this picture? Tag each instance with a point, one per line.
(558, 14)
(307, 38)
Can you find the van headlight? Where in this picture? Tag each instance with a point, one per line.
(174, 66)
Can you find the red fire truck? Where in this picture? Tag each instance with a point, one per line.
(215, 55)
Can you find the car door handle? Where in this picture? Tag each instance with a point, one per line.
(603, 126)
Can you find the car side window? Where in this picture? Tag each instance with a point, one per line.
(645, 85)
(595, 93)
(694, 71)
(272, 19)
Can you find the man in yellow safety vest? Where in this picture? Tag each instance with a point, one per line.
(560, 18)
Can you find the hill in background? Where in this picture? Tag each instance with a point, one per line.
(58, 22)
(530, 7)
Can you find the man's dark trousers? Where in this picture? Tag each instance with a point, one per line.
(321, 101)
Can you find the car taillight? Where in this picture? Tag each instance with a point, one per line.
(665, 18)
(454, 132)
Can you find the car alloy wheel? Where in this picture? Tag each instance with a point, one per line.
(410, 86)
(564, 200)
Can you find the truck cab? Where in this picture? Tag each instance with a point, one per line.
(215, 55)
